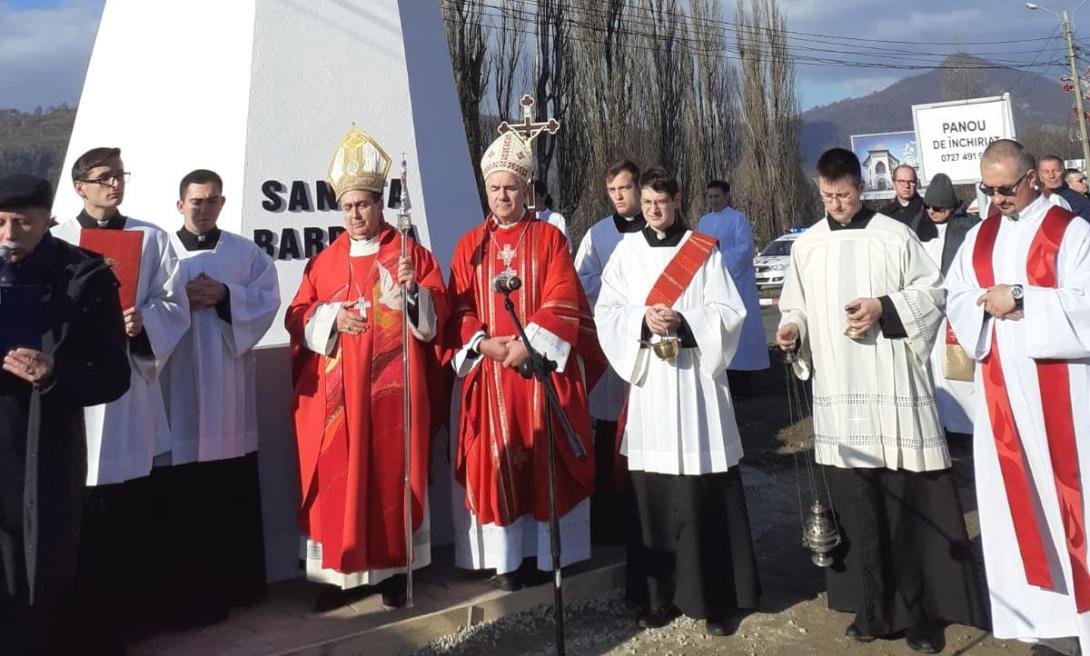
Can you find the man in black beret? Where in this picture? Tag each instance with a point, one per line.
(63, 348)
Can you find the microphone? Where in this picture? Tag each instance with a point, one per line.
(5, 253)
(505, 284)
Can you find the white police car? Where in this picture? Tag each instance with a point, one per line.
(771, 264)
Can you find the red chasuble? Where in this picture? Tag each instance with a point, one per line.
(501, 457)
(348, 406)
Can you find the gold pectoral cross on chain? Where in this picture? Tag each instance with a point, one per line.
(507, 254)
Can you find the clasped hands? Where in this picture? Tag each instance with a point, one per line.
(999, 303)
(29, 364)
(661, 320)
(204, 291)
(508, 351)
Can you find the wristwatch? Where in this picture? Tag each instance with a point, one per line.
(1017, 294)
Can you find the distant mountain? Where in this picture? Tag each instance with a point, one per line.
(1038, 101)
(35, 142)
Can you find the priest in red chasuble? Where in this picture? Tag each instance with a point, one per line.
(501, 508)
(345, 325)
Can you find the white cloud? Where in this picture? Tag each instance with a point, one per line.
(44, 52)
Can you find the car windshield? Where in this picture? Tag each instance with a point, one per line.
(778, 248)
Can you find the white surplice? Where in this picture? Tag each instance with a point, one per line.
(1056, 325)
(124, 436)
(873, 399)
(680, 416)
(953, 398)
(735, 235)
(210, 382)
(607, 397)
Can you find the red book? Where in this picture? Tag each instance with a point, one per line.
(121, 250)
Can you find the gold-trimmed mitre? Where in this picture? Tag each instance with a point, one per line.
(508, 153)
(359, 163)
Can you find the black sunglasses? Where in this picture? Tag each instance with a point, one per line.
(1010, 190)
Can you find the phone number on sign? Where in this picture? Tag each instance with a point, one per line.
(959, 157)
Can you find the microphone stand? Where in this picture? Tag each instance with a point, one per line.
(538, 366)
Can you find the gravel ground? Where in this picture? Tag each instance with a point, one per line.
(792, 619)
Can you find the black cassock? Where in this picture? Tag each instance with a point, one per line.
(43, 451)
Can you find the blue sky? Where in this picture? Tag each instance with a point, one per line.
(45, 44)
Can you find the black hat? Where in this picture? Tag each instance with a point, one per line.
(22, 190)
(940, 192)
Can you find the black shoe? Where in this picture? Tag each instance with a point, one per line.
(331, 598)
(855, 633)
(393, 590)
(722, 626)
(657, 617)
(508, 582)
(924, 640)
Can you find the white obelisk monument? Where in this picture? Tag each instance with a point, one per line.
(261, 92)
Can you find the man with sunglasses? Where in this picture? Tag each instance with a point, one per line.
(1076, 181)
(1019, 306)
(907, 206)
(1050, 181)
(125, 435)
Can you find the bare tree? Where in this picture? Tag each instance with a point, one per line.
(467, 39)
(507, 53)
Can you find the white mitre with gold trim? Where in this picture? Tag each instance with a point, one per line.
(359, 163)
(508, 153)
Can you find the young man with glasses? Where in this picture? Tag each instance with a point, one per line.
(907, 206)
(861, 305)
(126, 435)
(1019, 307)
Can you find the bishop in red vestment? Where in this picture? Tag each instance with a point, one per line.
(501, 501)
(345, 326)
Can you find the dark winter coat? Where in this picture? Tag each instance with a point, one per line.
(912, 215)
(43, 466)
(958, 226)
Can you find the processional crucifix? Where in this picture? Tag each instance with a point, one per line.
(527, 130)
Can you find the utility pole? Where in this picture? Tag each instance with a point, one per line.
(1078, 89)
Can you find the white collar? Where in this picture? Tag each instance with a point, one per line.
(508, 226)
(363, 247)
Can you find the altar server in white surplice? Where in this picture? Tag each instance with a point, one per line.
(622, 180)
(209, 483)
(862, 303)
(125, 436)
(690, 548)
(1019, 303)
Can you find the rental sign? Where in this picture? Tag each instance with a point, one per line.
(951, 136)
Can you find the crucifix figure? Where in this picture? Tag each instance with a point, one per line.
(507, 254)
(528, 130)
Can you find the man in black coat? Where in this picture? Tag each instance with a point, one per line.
(1050, 173)
(944, 208)
(63, 347)
(907, 206)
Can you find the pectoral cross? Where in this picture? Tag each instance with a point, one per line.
(362, 305)
(528, 130)
(507, 254)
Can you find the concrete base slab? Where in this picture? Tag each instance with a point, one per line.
(447, 599)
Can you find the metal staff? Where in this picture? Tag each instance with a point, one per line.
(404, 225)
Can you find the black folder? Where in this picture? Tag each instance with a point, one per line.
(21, 322)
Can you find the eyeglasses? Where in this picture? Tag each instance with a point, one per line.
(910, 183)
(111, 179)
(1002, 190)
(829, 198)
(936, 208)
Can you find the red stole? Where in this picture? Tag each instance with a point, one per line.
(501, 454)
(672, 282)
(348, 412)
(1055, 391)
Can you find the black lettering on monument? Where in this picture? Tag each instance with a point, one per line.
(266, 239)
(327, 198)
(313, 241)
(289, 245)
(299, 200)
(272, 190)
(334, 232)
